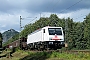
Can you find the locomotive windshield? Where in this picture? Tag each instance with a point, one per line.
(53, 31)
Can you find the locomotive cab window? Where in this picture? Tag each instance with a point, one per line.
(53, 31)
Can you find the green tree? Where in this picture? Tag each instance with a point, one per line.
(86, 23)
(69, 33)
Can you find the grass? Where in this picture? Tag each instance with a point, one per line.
(71, 56)
(15, 56)
(57, 56)
(28, 55)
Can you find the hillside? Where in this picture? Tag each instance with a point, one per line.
(8, 34)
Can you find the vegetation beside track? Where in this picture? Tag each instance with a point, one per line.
(52, 55)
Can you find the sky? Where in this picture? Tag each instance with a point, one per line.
(32, 10)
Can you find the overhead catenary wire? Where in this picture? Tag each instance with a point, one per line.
(25, 19)
(29, 22)
(67, 7)
(71, 5)
(32, 20)
(80, 16)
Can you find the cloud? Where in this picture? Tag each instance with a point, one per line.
(11, 10)
(8, 21)
(77, 15)
(3, 26)
(37, 6)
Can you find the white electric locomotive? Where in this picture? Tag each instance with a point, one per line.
(46, 38)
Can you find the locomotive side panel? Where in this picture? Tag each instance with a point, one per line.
(35, 37)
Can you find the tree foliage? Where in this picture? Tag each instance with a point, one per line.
(86, 24)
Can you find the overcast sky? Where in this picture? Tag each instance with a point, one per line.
(11, 10)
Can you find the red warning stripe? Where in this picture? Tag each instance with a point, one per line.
(55, 38)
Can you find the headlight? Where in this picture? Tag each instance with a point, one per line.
(50, 42)
(62, 42)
